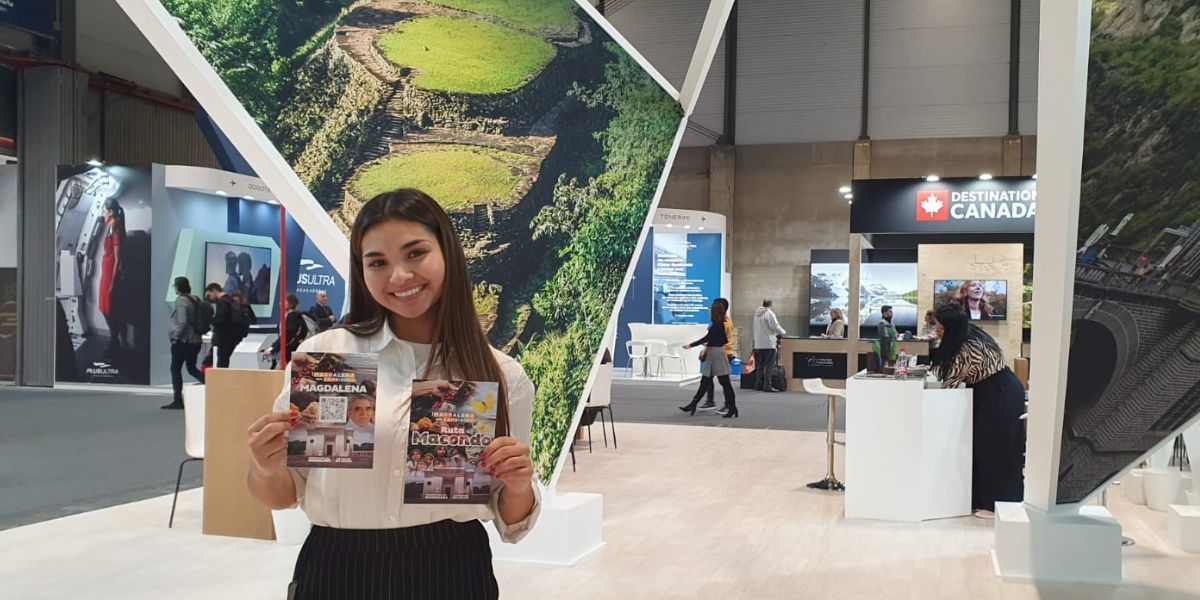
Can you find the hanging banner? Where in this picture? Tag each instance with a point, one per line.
(1134, 373)
(687, 275)
(541, 136)
(102, 284)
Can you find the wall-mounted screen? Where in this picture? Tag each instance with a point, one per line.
(892, 284)
(238, 268)
(983, 300)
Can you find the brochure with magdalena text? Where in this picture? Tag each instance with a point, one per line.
(450, 425)
(335, 394)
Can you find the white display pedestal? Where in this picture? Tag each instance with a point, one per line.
(246, 354)
(1082, 547)
(569, 528)
(908, 450)
(1183, 527)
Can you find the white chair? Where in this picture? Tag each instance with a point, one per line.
(193, 435)
(673, 352)
(818, 388)
(636, 349)
(656, 350)
(600, 400)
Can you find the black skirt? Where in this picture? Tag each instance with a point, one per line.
(997, 472)
(447, 559)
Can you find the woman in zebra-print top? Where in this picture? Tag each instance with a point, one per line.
(968, 355)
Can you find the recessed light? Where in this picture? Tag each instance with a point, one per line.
(669, 225)
(932, 178)
(847, 196)
(221, 193)
(700, 228)
(845, 189)
(273, 202)
(95, 163)
(248, 197)
(1035, 176)
(985, 176)
(849, 202)
(687, 226)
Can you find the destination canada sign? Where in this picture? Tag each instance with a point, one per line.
(966, 205)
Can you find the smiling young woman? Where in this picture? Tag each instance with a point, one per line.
(410, 302)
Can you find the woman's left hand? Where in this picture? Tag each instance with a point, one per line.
(507, 459)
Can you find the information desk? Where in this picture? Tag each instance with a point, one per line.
(819, 358)
(908, 449)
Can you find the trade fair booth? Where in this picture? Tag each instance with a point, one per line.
(918, 244)
(679, 272)
(114, 283)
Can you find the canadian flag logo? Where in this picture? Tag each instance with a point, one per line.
(933, 205)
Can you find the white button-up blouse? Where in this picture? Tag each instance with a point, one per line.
(374, 498)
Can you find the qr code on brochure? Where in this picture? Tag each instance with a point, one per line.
(333, 409)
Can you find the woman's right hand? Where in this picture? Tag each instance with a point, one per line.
(268, 440)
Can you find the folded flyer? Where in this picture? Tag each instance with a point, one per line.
(335, 396)
(450, 425)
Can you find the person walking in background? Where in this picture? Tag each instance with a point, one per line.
(837, 325)
(295, 329)
(716, 363)
(766, 332)
(243, 316)
(321, 313)
(728, 348)
(225, 325)
(110, 271)
(970, 356)
(185, 339)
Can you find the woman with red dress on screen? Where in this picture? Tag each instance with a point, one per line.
(110, 268)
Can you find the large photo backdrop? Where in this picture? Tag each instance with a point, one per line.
(537, 132)
(1134, 371)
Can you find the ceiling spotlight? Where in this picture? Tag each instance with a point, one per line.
(932, 178)
(1035, 176)
(687, 226)
(221, 193)
(275, 202)
(849, 202)
(701, 228)
(985, 176)
(847, 196)
(669, 225)
(248, 197)
(95, 163)
(845, 189)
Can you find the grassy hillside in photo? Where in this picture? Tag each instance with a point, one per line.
(466, 55)
(1143, 120)
(552, 18)
(459, 177)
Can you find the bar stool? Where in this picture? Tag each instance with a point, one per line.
(817, 387)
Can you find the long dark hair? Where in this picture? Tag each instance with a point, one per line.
(956, 328)
(118, 213)
(460, 346)
(717, 311)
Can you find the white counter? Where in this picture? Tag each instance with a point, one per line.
(908, 450)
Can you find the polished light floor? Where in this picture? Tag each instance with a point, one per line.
(690, 512)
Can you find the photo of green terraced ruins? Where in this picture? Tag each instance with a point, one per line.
(540, 135)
